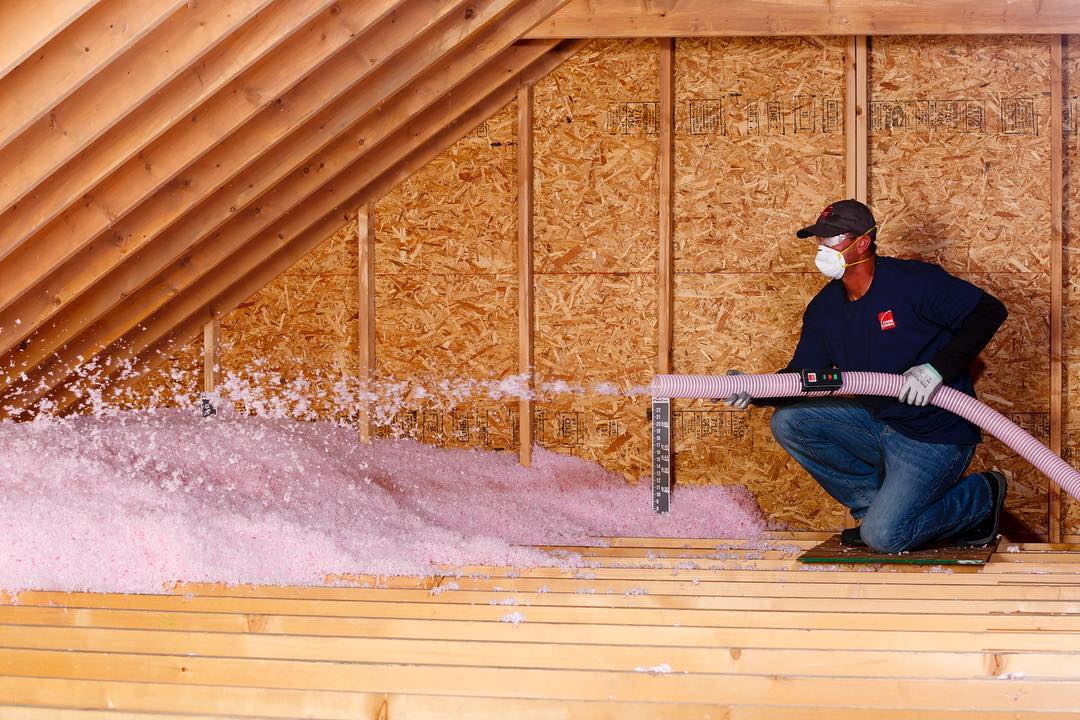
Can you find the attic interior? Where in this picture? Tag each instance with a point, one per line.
(327, 332)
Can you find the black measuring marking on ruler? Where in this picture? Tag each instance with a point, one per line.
(661, 454)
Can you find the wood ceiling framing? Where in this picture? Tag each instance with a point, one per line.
(165, 159)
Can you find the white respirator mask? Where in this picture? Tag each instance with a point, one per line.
(830, 261)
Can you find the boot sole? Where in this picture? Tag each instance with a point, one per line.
(1002, 489)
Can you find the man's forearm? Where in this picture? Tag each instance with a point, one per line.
(974, 333)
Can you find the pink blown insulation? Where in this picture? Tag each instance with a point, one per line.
(885, 384)
(133, 501)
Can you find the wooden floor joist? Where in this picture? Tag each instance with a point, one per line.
(491, 642)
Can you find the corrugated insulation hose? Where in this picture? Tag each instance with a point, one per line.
(884, 384)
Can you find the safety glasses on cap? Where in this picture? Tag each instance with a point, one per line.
(834, 240)
(837, 239)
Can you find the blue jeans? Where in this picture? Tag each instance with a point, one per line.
(906, 493)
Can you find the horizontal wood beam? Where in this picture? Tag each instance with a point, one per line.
(114, 699)
(796, 689)
(29, 24)
(599, 608)
(346, 629)
(1002, 565)
(259, 262)
(277, 653)
(708, 18)
(73, 57)
(791, 588)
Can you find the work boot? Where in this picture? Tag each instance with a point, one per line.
(851, 538)
(986, 531)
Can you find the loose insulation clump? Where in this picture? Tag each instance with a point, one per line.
(134, 501)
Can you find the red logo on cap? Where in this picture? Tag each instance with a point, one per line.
(886, 320)
(825, 213)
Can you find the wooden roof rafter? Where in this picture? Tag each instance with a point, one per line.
(37, 24)
(56, 139)
(336, 127)
(185, 95)
(151, 183)
(76, 55)
(465, 52)
(263, 259)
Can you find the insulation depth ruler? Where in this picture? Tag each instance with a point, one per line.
(661, 454)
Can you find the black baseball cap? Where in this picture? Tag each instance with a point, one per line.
(843, 216)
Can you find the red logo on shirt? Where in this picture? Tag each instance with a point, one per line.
(886, 320)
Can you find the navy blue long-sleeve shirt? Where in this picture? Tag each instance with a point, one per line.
(909, 315)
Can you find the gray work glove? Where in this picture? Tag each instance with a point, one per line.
(920, 384)
(740, 400)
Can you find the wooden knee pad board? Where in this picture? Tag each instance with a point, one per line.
(831, 551)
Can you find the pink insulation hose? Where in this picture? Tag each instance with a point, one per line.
(885, 384)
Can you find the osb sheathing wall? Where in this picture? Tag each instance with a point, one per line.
(446, 274)
(296, 337)
(759, 150)
(959, 176)
(176, 383)
(446, 290)
(959, 163)
(299, 333)
(595, 249)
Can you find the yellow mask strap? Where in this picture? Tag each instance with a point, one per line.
(846, 263)
(855, 241)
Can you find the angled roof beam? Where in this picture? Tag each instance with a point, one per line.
(296, 154)
(73, 57)
(709, 18)
(260, 261)
(29, 24)
(206, 257)
(74, 182)
(40, 277)
(54, 140)
(322, 134)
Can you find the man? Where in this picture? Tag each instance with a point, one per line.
(897, 464)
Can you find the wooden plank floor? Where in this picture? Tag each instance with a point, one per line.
(651, 628)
